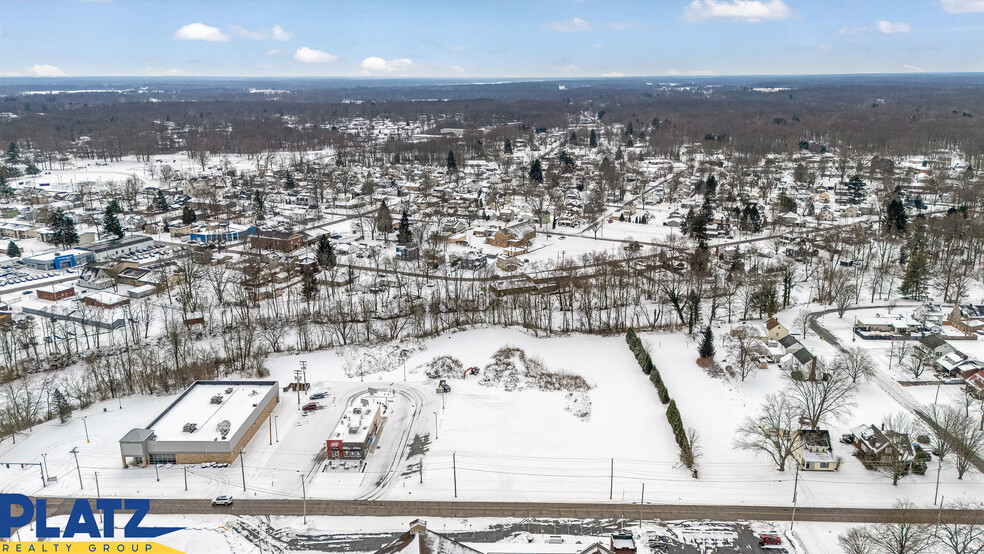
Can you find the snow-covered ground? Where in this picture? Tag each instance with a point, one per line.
(504, 445)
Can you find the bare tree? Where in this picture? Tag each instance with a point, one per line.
(856, 363)
(967, 441)
(965, 537)
(903, 536)
(802, 321)
(773, 431)
(857, 540)
(741, 344)
(830, 395)
(918, 362)
(895, 460)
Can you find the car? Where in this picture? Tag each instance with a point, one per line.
(310, 407)
(224, 500)
(769, 540)
(318, 395)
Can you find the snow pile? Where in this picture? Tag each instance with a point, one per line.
(514, 370)
(578, 404)
(444, 367)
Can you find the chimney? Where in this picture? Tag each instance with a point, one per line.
(418, 526)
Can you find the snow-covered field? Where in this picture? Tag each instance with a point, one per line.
(504, 445)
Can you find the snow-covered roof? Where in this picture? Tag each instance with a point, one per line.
(355, 423)
(238, 401)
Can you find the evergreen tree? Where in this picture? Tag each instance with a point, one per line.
(916, 274)
(13, 250)
(188, 215)
(63, 226)
(857, 188)
(289, 180)
(309, 285)
(573, 138)
(160, 203)
(507, 147)
(536, 172)
(452, 164)
(111, 223)
(593, 139)
(12, 152)
(896, 219)
(403, 233)
(6, 191)
(325, 253)
(63, 406)
(114, 207)
(706, 348)
(32, 169)
(384, 219)
(710, 187)
(786, 203)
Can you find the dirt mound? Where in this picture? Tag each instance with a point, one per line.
(444, 367)
(512, 369)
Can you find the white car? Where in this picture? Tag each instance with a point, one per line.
(224, 500)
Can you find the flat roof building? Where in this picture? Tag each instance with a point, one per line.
(212, 421)
(355, 433)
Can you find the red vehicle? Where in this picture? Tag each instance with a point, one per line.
(310, 407)
(769, 540)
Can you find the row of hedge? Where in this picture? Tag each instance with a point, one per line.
(646, 363)
(672, 413)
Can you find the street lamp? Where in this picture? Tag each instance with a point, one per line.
(86, 426)
(44, 463)
(276, 427)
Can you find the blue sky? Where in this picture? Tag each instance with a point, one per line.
(478, 38)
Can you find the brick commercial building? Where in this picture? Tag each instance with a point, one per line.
(355, 433)
(212, 421)
(276, 240)
(54, 293)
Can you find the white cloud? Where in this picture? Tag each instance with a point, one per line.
(691, 72)
(45, 70)
(569, 25)
(613, 74)
(200, 31)
(825, 48)
(962, 6)
(276, 33)
(310, 55)
(913, 68)
(893, 27)
(279, 33)
(746, 11)
(153, 70)
(457, 69)
(276, 52)
(851, 30)
(374, 64)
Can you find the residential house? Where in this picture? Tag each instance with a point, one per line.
(421, 540)
(968, 318)
(520, 234)
(934, 346)
(813, 450)
(790, 344)
(774, 329)
(879, 445)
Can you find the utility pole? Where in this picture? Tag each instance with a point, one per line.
(157, 472)
(454, 472)
(939, 468)
(304, 496)
(435, 425)
(75, 452)
(86, 426)
(44, 470)
(96, 474)
(242, 466)
(276, 427)
(421, 470)
(297, 385)
(404, 371)
(270, 429)
(186, 478)
(642, 502)
(795, 490)
(611, 489)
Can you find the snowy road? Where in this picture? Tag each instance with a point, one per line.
(263, 507)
